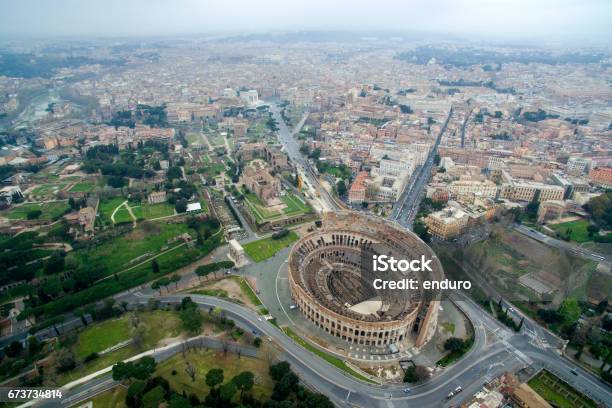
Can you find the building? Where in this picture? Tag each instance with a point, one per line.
(193, 207)
(530, 191)
(87, 219)
(341, 299)
(447, 223)
(357, 192)
(601, 176)
(385, 188)
(8, 193)
(550, 210)
(258, 180)
(237, 254)
(271, 154)
(483, 188)
(577, 165)
(524, 396)
(157, 197)
(250, 97)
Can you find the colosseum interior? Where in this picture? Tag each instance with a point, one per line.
(332, 286)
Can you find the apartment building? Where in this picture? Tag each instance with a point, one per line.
(484, 188)
(447, 223)
(601, 176)
(357, 192)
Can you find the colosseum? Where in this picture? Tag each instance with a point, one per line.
(331, 282)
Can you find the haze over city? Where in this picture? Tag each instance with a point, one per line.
(544, 21)
(306, 204)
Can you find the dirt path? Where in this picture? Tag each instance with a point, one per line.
(207, 142)
(131, 214)
(228, 149)
(129, 210)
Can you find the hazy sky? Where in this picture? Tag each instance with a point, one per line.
(551, 20)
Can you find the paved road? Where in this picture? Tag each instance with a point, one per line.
(285, 136)
(568, 246)
(105, 382)
(407, 206)
(464, 126)
(485, 360)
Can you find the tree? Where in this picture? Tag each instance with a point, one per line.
(190, 370)
(420, 229)
(454, 344)
(14, 349)
(157, 286)
(181, 206)
(277, 371)
(155, 266)
(139, 335)
(34, 214)
(214, 377)
(65, 360)
(227, 391)
(410, 375)
(285, 386)
(175, 278)
(192, 319)
(569, 312)
(341, 188)
(600, 208)
(244, 381)
(141, 370)
(153, 397)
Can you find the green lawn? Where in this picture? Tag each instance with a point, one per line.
(117, 253)
(335, 361)
(122, 216)
(267, 247)
(159, 325)
(48, 188)
(149, 211)
(106, 207)
(258, 208)
(294, 205)
(578, 230)
(101, 336)
(50, 211)
(83, 187)
(559, 393)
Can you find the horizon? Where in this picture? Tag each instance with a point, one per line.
(565, 23)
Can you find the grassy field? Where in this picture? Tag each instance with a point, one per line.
(578, 230)
(99, 337)
(294, 205)
(50, 211)
(149, 211)
(258, 208)
(203, 360)
(559, 393)
(159, 325)
(335, 361)
(48, 188)
(248, 291)
(117, 253)
(267, 247)
(122, 216)
(106, 208)
(83, 187)
(220, 293)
